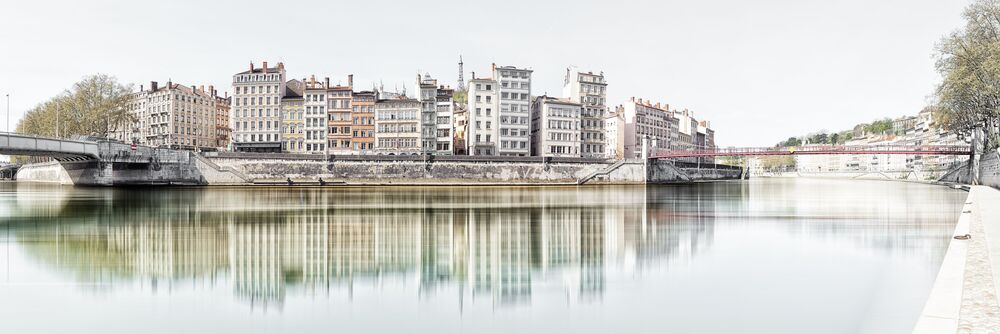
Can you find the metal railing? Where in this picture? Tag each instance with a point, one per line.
(816, 150)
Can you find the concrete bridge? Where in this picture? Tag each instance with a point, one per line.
(59, 149)
(98, 161)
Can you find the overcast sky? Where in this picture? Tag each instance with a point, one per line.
(760, 71)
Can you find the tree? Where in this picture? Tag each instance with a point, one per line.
(778, 162)
(969, 94)
(96, 105)
(460, 96)
(791, 141)
(879, 127)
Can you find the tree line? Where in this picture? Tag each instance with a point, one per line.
(97, 105)
(969, 63)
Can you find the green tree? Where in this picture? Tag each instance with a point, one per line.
(791, 141)
(969, 94)
(879, 126)
(460, 96)
(778, 162)
(96, 105)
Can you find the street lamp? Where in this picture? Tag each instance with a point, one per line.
(8, 112)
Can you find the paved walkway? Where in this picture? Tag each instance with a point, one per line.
(964, 298)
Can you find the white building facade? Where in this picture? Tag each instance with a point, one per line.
(256, 109)
(482, 130)
(397, 126)
(515, 110)
(314, 107)
(555, 127)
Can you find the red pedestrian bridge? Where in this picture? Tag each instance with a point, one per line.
(815, 150)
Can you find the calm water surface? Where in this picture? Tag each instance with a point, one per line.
(765, 256)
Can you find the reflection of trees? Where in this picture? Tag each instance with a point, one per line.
(499, 243)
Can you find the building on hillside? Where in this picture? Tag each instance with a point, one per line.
(397, 126)
(293, 118)
(173, 115)
(614, 135)
(644, 119)
(902, 124)
(590, 90)
(515, 110)
(363, 122)
(339, 119)
(555, 127)
(256, 108)
(482, 110)
(314, 104)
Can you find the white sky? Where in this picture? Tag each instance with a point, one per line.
(760, 71)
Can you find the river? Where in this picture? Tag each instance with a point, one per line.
(764, 256)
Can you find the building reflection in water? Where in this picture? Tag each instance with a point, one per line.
(493, 243)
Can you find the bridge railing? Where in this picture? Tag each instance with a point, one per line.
(816, 149)
(14, 144)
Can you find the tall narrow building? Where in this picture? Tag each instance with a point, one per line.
(590, 90)
(482, 111)
(222, 130)
(363, 122)
(515, 110)
(293, 118)
(315, 106)
(256, 108)
(427, 95)
(339, 118)
(445, 122)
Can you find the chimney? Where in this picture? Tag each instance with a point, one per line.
(225, 94)
(326, 81)
(265, 67)
(657, 105)
(350, 80)
(141, 88)
(201, 88)
(251, 66)
(494, 66)
(153, 86)
(473, 74)
(211, 90)
(281, 66)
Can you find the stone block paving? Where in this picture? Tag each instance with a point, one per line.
(980, 312)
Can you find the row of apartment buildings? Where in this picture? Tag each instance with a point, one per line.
(499, 116)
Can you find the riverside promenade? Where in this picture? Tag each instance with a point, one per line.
(965, 297)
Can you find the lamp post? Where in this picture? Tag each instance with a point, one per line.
(8, 112)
